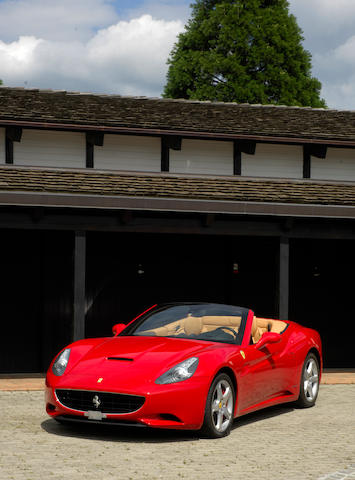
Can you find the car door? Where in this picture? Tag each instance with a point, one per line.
(262, 374)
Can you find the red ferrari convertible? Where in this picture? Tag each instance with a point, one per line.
(185, 366)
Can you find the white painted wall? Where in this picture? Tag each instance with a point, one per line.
(128, 152)
(50, 149)
(204, 157)
(339, 164)
(282, 161)
(2, 146)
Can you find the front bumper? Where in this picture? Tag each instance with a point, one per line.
(177, 406)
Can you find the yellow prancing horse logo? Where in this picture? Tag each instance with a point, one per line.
(242, 354)
(100, 380)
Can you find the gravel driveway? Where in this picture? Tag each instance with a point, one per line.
(280, 443)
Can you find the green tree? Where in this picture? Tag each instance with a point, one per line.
(242, 51)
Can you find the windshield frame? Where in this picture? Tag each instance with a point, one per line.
(237, 340)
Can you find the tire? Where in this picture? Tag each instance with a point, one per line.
(219, 411)
(309, 385)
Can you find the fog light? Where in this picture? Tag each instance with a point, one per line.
(50, 408)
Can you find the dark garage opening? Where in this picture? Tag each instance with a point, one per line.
(36, 298)
(322, 294)
(127, 273)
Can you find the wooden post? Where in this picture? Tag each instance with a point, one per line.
(92, 139)
(306, 162)
(79, 285)
(165, 156)
(237, 159)
(12, 134)
(284, 278)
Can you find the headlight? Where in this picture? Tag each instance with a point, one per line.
(182, 371)
(61, 362)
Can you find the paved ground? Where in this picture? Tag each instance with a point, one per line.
(277, 444)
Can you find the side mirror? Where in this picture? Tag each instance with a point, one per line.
(118, 328)
(268, 337)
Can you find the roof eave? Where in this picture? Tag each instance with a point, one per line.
(158, 132)
(33, 199)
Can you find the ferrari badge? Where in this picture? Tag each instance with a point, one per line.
(96, 401)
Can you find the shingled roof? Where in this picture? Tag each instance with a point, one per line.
(229, 120)
(116, 186)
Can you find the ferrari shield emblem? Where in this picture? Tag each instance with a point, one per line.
(99, 380)
(242, 354)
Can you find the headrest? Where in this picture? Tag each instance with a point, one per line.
(193, 325)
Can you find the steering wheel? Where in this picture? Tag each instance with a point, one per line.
(228, 328)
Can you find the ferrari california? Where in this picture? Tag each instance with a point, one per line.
(193, 366)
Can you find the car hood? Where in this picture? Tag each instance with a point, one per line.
(132, 360)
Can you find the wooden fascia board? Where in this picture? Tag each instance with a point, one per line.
(182, 133)
(174, 205)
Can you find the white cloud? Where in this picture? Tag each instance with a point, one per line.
(328, 27)
(53, 19)
(337, 69)
(84, 45)
(127, 58)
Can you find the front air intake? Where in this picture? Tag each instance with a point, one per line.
(105, 402)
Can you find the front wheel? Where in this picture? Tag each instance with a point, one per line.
(309, 382)
(219, 412)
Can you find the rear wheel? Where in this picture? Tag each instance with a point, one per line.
(219, 412)
(309, 382)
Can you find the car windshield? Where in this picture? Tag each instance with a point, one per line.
(198, 321)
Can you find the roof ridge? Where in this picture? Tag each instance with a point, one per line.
(170, 100)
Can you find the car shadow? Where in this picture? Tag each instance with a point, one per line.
(264, 414)
(112, 433)
(108, 433)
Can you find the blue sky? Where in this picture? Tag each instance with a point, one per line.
(121, 46)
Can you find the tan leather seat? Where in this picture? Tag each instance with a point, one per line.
(262, 325)
(193, 325)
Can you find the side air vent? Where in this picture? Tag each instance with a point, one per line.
(121, 359)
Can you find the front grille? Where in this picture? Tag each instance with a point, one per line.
(104, 402)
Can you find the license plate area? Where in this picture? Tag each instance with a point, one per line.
(94, 415)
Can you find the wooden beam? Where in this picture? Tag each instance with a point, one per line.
(12, 134)
(95, 138)
(102, 202)
(143, 222)
(237, 159)
(92, 139)
(165, 156)
(239, 147)
(9, 151)
(319, 151)
(167, 143)
(157, 132)
(79, 285)
(306, 161)
(89, 155)
(284, 274)
(247, 146)
(174, 142)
